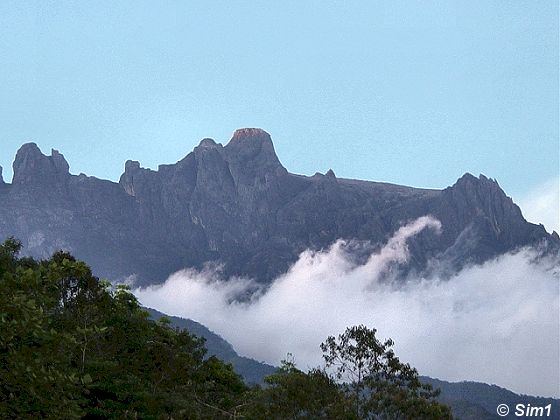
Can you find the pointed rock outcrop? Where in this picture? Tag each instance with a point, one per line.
(252, 158)
(207, 143)
(131, 170)
(32, 167)
(479, 212)
(252, 147)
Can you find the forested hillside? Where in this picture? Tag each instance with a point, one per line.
(72, 346)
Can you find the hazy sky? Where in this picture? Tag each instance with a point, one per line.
(411, 92)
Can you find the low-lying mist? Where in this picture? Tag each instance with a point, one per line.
(496, 323)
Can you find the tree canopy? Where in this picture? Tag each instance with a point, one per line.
(376, 381)
(71, 346)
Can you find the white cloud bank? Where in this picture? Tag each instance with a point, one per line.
(495, 323)
(542, 205)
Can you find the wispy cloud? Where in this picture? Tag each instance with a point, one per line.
(542, 205)
(496, 323)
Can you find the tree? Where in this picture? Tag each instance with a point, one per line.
(35, 379)
(290, 393)
(378, 383)
(72, 346)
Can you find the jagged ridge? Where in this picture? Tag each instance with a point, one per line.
(238, 205)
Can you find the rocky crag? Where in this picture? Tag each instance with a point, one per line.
(238, 206)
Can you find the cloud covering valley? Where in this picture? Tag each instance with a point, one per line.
(495, 323)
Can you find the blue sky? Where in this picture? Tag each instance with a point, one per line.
(410, 92)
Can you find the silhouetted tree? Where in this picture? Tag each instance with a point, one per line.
(378, 383)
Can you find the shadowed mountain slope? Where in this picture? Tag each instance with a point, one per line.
(251, 370)
(237, 205)
(479, 401)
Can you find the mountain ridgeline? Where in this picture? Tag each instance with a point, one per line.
(238, 206)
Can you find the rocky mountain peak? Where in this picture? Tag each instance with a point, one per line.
(131, 165)
(482, 201)
(59, 162)
(1, 178)
(28, 150)
(252, 148)
(31, 166)
(131, 179)
(243, 134)
(207, 143)
(468, 180)
(477, 189)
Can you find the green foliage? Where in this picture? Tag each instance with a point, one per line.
(378, 383)
(33, 362)
(362, 379)
(291, 394)
(71, 346)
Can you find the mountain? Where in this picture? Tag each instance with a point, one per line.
(479, 401)
(236, 205)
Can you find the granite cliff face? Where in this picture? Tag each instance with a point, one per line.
(237, 205)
